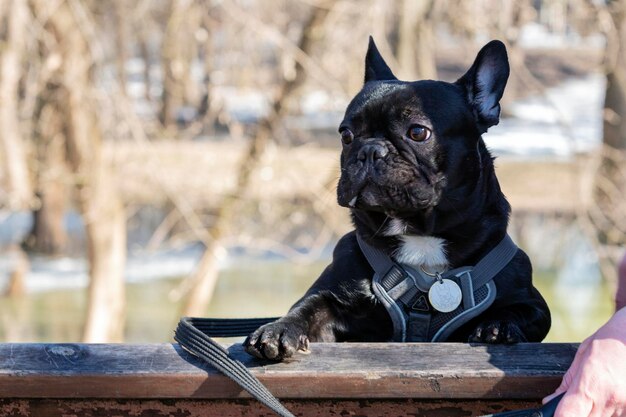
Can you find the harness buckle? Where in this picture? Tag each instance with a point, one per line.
(393, 277)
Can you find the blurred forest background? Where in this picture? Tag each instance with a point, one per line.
(170, 157)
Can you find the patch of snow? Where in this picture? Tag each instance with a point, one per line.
(537, 36)
(48, 274)
(565, 121)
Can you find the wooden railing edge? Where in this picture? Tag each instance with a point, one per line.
(331, 371)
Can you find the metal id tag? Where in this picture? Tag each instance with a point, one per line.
(445, 295)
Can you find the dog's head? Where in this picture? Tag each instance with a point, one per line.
(406, 144)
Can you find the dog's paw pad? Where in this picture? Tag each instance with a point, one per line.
(497, 331)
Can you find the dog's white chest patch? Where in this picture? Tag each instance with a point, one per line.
(426, 251)
(395, 227)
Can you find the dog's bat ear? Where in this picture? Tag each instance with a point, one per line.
(376, 69)
(484, 83)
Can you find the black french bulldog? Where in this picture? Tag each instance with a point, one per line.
(421, 186)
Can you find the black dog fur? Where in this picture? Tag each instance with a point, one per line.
(413, 156)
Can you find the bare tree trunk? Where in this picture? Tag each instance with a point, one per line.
(48, 233)
(102, 210)
(178, 51)
(106, 248)
(171, 94)
(607, 214)
(17, 285)
(144, 51)
(416, 54)
(13, 17)
(121, 42)
(207, 55)
(615, 69)
(99, 203)
(202, 284)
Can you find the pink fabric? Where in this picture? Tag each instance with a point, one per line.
(620, 295)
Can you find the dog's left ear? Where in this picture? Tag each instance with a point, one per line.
(376, 69)
(484, 84)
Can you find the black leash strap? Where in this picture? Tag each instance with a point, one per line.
(227, 327)
(194, 335)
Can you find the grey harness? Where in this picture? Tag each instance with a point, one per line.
(404, 292)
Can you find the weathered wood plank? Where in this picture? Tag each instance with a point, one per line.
(352, 371)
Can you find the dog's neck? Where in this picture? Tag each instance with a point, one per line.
(417, 251)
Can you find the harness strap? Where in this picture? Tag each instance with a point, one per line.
(482, 272)
(489, 266)
(380, 262)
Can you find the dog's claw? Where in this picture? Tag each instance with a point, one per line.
(304, 344)
(497, 331)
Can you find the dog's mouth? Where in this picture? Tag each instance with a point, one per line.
(368, 199)
(392, 200)
(353, 200)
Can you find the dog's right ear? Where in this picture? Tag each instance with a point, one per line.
(484, 84)
(376, 69)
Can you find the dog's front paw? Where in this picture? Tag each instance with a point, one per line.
(276, 341)
(497, 331)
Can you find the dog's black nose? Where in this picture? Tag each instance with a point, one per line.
(372, 152)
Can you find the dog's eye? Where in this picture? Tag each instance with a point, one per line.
(418, 133)
(346, 136)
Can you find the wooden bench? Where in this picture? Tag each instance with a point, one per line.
(43, 380)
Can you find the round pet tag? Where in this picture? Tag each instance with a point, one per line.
(445, 295)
